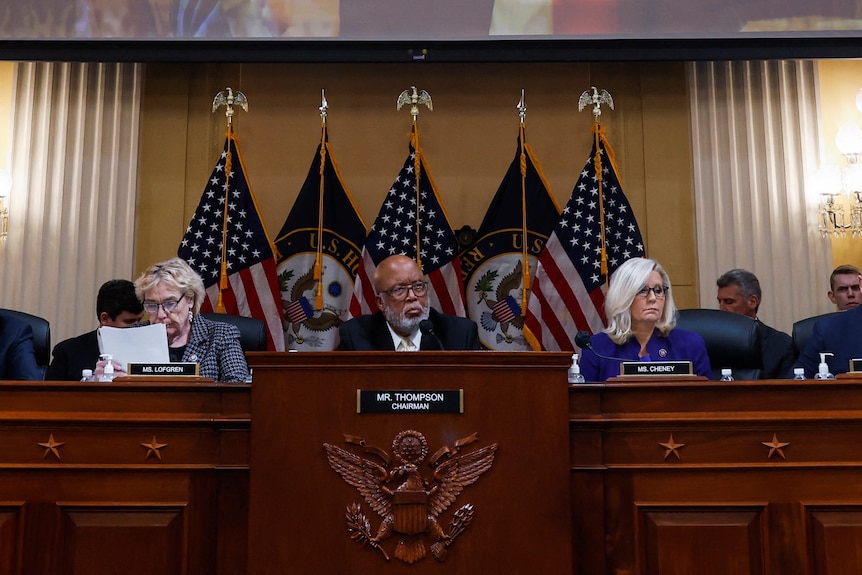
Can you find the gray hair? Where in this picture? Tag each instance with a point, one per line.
(625, 283)
(176, 273)
(746, 281)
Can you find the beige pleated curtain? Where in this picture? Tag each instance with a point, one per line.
(755, 140)
(72, 207)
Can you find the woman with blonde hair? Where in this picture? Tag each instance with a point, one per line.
(172, 293)
(641, 324)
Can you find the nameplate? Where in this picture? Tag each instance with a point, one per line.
(855, 365)
(178, 369)
(410, 401)
(660, 368)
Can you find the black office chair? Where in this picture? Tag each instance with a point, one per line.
(732, 340)
(41, 335)
(252, 331)
(803, 329)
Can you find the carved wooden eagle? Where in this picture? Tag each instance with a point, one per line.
(385, 490)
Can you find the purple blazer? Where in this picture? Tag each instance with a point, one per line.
(679, 345)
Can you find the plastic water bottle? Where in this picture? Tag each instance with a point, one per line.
(108, 373)
(799, 373)
(823, 368)
(86, 375)
(726, 374)
(575, 375)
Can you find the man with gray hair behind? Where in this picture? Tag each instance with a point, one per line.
(739, 292)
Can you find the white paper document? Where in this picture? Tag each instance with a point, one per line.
(144, 344)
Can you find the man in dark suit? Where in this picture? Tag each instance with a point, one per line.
(739, 292)
(405, 321)
(17, 356)
(116, 306)
(838, 334)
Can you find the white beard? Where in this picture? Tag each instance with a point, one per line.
(402, 324)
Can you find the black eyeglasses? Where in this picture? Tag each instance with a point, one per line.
(400, 292)
(169, 305)
(659, 291)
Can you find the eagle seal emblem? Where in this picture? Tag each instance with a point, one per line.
(408, 502)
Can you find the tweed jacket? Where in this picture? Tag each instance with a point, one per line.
(215, 346)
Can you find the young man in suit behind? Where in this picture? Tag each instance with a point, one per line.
(116, 306)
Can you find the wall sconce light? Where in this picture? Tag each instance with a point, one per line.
(846, 180)
(5, 188)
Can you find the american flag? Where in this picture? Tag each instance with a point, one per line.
(252, 282)
(569, 287)
(396, 229)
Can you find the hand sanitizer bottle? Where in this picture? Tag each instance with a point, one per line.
(823, 368)
(575, 375)
(726, 374)
(108, 373)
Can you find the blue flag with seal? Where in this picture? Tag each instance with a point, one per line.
(320, 245)
(497, 268)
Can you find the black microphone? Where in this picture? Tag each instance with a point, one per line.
(582, 340)
(427, 328)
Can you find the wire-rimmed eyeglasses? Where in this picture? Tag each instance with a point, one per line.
(659, 291)
(399, 292)
(168, 305)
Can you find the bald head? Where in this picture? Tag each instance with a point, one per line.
(396, 270)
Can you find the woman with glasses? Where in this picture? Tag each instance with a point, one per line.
(405, 320)
(641, 320)
(172, 293)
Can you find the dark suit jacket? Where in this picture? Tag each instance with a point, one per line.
(72, 356)
(369, 333)
(776, 347)
(17, 356)
(839, 334)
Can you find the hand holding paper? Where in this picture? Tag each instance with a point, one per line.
(143, 344)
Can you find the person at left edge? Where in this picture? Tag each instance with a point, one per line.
(172, 293)
(402, 301)
(116, 306)
(641, 325)
(17, 356)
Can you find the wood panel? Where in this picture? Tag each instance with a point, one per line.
(152, 539)
(747, 478)
(469, 140)
(685, 540)
(836, 536)
(521, 522)
(139, 476)
(10, 517)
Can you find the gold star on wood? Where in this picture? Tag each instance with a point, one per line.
(775, 446)
(51, 447)
(672, 447)
(153, 448)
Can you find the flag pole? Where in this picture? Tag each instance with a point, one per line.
(415, 97)
(318, 258)
(522, 140)
(227, 98)
(597, 98)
